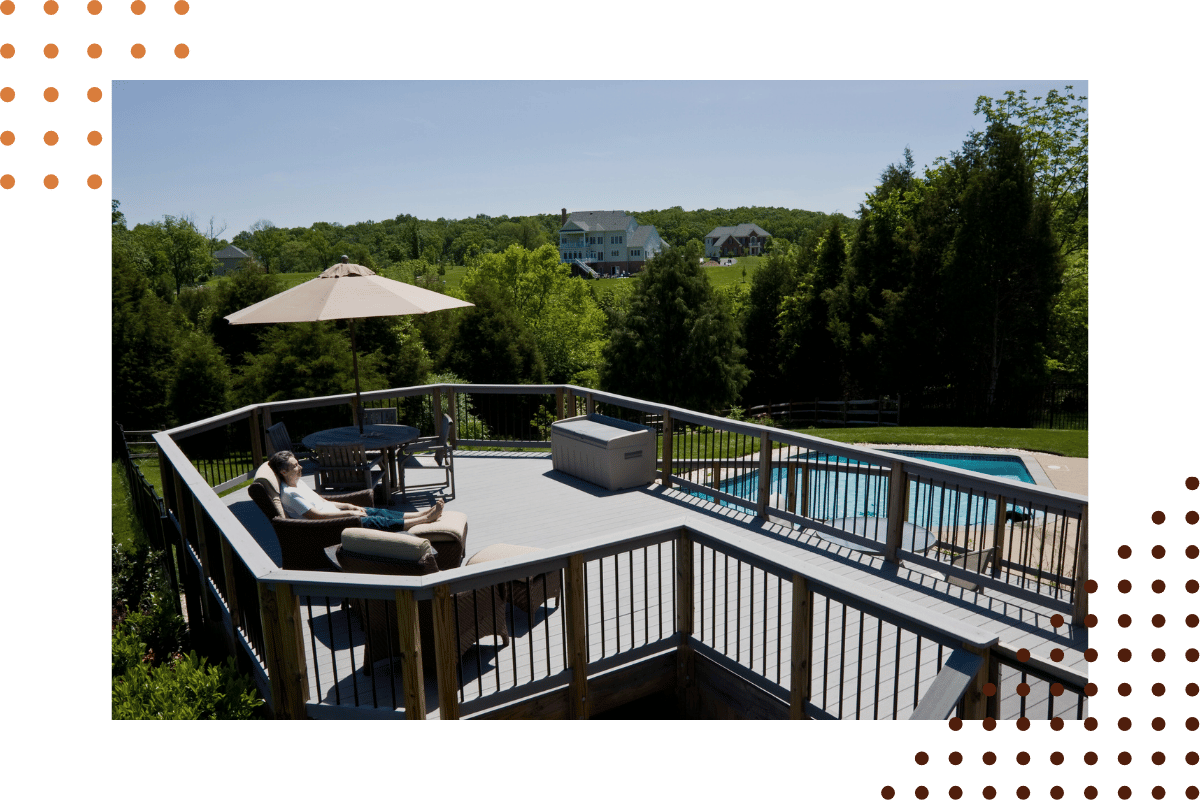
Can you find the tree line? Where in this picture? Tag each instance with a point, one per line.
(971, 274)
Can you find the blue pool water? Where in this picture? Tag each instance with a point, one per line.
(834, 494)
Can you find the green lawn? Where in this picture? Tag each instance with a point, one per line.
(725, 276)
(1071, 444)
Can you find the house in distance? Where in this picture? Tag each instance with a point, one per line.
(740, 240)
(230, 259)
(605, 243)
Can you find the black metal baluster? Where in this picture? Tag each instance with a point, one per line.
(896, 680)
(858, 670)
(337, 694)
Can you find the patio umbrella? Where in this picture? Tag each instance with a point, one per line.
(345, 291)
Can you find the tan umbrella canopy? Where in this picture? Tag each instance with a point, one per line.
(345, 291)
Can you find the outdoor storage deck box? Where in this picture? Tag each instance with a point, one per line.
(606, 451)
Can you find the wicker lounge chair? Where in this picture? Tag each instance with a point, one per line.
(479, 613)
(302, 541)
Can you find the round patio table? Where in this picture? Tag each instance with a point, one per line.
(373, 437)
(914, 539)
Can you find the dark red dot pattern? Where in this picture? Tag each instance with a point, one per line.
(1160, 621)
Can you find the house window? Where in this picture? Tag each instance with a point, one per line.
(616, 240)
(616, 253)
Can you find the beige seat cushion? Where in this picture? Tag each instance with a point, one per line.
(498, 551)
(450, 523)
(265, 476)
(385, 544)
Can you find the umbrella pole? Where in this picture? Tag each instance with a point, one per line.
(357, 391)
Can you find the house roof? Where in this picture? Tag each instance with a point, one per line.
(598, 221)
(641, 235)
(745, 229)
(231, 252)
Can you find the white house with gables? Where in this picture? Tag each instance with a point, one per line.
(605, 243)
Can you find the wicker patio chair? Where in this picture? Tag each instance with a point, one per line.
(302, 541)
(479, 613)
(348, 467)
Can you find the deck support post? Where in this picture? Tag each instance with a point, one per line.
(686, 696)
(1080, 607)
(558, 397)
(256, 430)
(576, 622)
(569, 403)
(435, 412)
(452, 410)
(284, 645)
(802, 641)
(998, 534)
(668, 444)
(266, 423)
(231, 597)
(897, 497)
(790, 503)
(765, 451)
(410, 651)
(975, 702)
(193, 586)
(168, 531)
(445, 651)
(591, 403)
(210, 617)
(804, 469)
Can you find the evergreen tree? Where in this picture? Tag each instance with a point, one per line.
(678, 342)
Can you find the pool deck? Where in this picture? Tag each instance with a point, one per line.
(518, 498)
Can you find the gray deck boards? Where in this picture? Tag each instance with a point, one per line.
(519, 499)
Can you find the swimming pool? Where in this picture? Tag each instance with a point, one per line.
(835, 490)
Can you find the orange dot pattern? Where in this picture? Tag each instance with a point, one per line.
(95, 94)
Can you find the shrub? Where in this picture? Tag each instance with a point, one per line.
(186, 688)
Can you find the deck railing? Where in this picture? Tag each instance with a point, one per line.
(289, 628)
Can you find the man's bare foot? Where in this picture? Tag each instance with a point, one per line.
(436, 511)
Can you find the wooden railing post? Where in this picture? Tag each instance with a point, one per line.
(897, 499)
(284, 647)
(256, 429)
(804, 469)
(266, 423)
(668, 448)
(202, 546)
(452, 405)
(790, 503)
(1080, 608)
(231, 598)
(764, 475)
(685, 685)
(802, 641)
(436, 411)
(569, 402)
(975, 702)
(445, 651)
(192, 584)
(591, 403)
(576, 622)
(998, 534)
(410, 651)
(558, 398)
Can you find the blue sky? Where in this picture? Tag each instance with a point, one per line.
(339, 151)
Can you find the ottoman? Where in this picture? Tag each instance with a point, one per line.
(528, 594)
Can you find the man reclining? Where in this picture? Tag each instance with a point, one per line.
(301, 502)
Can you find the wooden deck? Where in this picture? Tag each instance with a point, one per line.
(518, 498)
